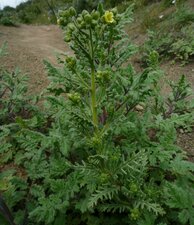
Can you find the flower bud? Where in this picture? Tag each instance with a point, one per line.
(99, 75)
(65, 14)
(88, 18)
(72, 11)
(71, 26)
(133, 187)
(104, 177)
(103, 76)
(67, 37)
(79, 20)
(95, 15)
(135, 214)
(62, 21)
(74, 97)
(71, 62)
(84, 12)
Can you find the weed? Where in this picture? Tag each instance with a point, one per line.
(183, 16)
(183, 47)
(103, 151)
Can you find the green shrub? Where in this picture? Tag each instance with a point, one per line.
(24, 17)
(183, 48)
(8, 17)
(183, 16)
(13, 101)
(171, 37)
(156, 41)
(177, 46)
(6, 21)
(104, 151)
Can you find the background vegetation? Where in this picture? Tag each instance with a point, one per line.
(45, 12)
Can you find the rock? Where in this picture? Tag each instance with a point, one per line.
(181, 131)
(139, 108)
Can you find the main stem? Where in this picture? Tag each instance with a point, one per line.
(93, 96)
(93, 86)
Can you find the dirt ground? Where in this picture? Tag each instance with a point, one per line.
(29, 45)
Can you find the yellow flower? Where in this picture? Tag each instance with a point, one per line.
(109, 17)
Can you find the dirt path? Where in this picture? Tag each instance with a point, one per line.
(28, 46)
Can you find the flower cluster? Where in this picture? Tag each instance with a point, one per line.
(65, 16)
(70, 62)
(74, 97)
(103, 76)
(85, 20)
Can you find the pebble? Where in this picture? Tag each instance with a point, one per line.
(139, 108)
(181, 131)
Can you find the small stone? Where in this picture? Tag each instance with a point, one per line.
(181, 131)
(139, 108)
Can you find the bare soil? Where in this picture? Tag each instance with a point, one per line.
(28, 46)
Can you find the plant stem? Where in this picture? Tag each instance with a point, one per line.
(93, 85)
(93, 96)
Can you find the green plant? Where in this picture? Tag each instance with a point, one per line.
(178, 46)
(3, 49)
(8, 17)
(173, 36)
(104, 151)
(151, 17)
(14, 104)
(156, 41)
(13, 99)
(6, 21)
(177, 102)
(183, 16)
(183, 48)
